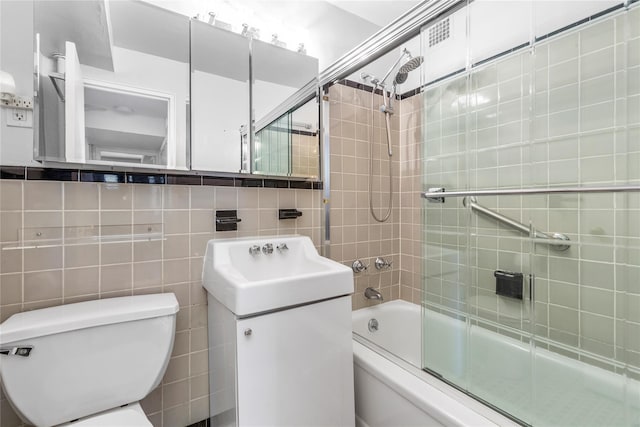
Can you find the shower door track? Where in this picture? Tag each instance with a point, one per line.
(438, 194)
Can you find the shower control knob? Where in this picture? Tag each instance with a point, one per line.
(267, 249)
(248, 332)
(254, 250)
(383, 264)
(359, 266)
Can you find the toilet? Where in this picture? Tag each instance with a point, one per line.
(89, 363)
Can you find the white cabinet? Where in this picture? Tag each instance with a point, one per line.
(293, 367)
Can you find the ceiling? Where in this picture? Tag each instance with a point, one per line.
(379, 12)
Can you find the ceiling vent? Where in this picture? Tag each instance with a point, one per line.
(439, 32)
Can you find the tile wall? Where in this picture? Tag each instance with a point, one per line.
(581, 126)
(354, 232)
(68, 272)
(305, 155)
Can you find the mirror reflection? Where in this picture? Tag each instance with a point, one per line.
(290, 145)
(278, 73)
(219, 96)
(112, 88)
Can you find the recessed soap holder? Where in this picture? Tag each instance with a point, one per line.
(289, 213)
(227, 220)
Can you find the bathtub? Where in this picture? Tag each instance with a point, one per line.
(392, 390)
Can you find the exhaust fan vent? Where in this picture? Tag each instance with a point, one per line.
(439, 32)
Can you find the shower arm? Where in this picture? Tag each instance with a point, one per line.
(557, 241)
(402, 55)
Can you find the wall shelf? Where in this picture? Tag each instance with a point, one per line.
(44, 237)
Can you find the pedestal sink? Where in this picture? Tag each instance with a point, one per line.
(280, 350)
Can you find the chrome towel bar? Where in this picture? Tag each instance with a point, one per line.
(438, 194)
(558, 241)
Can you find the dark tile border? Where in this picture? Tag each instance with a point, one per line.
(146, 178)
(276, 183)
(203, 423)
(249, 182)
(361, 86)
(102, 176)
(184, 180)
(218, 181)
(105, 176)
(46, 174)
(305, 185)
(12, 172)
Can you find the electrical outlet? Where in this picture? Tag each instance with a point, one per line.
(19, 118)
(22, 102)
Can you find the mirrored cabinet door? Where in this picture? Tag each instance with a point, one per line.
(113, 83)
(220, 98)
(278, 75)
(290, 145)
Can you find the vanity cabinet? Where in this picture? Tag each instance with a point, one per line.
(291, 367)
(295, 367)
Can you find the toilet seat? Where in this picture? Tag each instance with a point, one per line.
(131, 415)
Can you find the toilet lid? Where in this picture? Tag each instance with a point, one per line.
(131, 415)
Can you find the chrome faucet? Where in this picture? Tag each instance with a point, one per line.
(371, 293)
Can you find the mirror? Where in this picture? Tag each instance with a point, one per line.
(282, 130)
(221, 62)
(290, 145)
(219, 96)
(113, 83)
(95, 107)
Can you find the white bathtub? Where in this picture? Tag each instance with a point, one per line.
(391, 389)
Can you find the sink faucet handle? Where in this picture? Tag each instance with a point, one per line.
(282, 247)
(254, 250)
(267, 249)
(359, 266)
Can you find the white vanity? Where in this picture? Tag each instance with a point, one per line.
(280, 350)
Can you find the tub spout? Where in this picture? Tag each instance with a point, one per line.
(371, 293)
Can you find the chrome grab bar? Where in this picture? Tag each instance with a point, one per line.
(558, 241)
(439, 194)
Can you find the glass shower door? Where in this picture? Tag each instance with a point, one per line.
(545, 334)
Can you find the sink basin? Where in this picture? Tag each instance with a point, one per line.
(248, 283)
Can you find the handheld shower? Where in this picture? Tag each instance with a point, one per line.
(401, 76)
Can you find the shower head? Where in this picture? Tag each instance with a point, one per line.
(400, 78)
(411, 65)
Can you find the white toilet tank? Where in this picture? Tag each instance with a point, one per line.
(87, 357)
